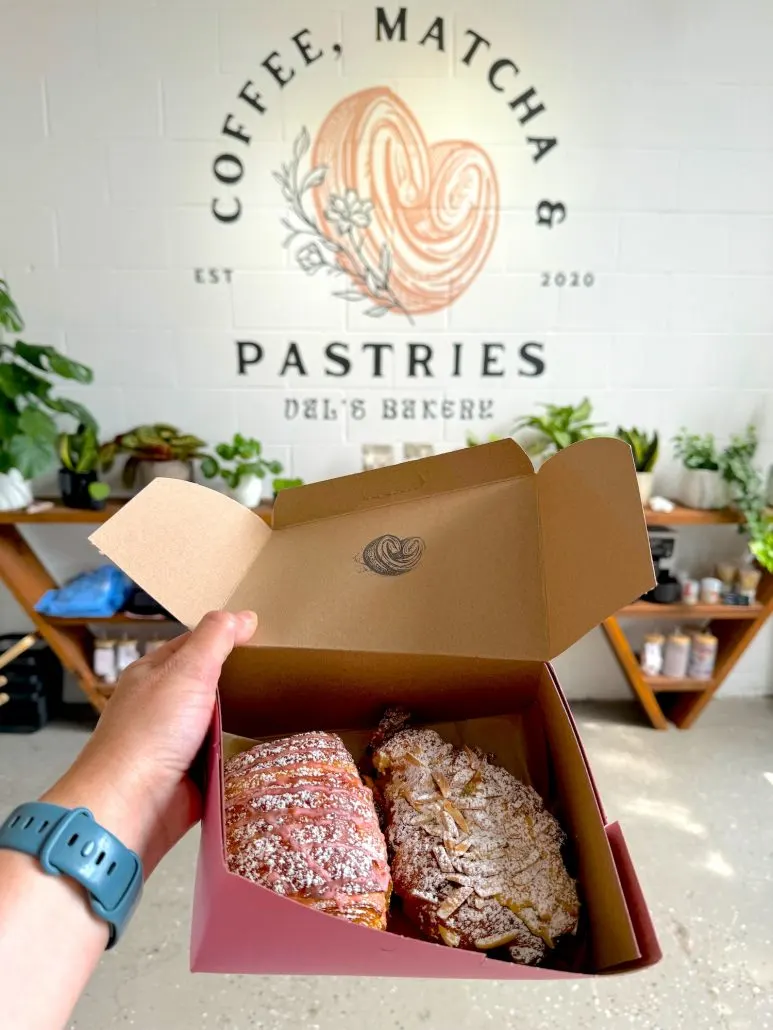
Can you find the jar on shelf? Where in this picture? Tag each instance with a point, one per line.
(126, 652)
(703, 656)
(677, 656)
(104, 661)
(652, 654)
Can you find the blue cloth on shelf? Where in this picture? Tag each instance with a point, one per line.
(96, 595)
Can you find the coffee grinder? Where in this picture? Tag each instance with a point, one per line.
(667, 589)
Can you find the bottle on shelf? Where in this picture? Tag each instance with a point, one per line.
(703, 656)
(677, 656)
(652, 654)
(104, 661)
(126, 652)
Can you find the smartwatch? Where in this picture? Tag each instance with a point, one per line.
(69, 842)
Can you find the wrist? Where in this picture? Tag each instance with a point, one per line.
(115, 800)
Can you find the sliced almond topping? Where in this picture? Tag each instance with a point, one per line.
(472, 784)
(473, 758)
(449, 937)
(457, 847)
(443, 860)
(486, 890)
(489, 943)
(442, 783)
(412, 759)
(429, 824)
(457, 816)
(449, 826)
(454, 901)
(459, 878)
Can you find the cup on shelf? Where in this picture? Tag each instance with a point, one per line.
(748, 583)
(727, 572)
(691, 591)
(711, 590)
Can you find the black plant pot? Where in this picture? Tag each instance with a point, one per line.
(74, 487)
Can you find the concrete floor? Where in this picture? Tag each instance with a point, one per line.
(696, 809)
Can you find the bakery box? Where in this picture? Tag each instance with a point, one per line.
(445, 586)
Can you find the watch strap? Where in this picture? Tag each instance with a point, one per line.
(69, 842)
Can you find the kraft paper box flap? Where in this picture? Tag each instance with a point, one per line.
(466, 554)
(187, 546)
(595, 547)
(408, 481)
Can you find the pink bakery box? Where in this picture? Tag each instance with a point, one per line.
(506, 562)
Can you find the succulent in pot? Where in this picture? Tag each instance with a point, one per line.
(78, 475)
(701, 484)
(153, 451)
(645, 451)
(242, 467)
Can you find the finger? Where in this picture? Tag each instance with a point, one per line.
(212, 641)
(167, 649)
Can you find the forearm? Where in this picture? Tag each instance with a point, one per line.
(50, 942)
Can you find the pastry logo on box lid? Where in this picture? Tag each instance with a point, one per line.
(391, 555)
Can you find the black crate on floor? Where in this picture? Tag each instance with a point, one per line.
(34, 687)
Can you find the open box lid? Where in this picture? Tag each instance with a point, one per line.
(470, 553)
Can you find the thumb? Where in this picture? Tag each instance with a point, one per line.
(208, 646)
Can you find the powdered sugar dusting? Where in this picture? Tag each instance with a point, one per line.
(475, 856)
(299, 820)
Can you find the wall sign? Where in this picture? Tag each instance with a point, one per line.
(398, 222)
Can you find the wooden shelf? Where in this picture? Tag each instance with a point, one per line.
(666, 684)
(648, 610)
(119, 619)
(59, 515)
(682, 700)
(693, 517)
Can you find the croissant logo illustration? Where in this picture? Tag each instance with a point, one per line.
(392, 555)
(405, 225)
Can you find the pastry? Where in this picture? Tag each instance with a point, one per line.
(476, 859)
(299, 821)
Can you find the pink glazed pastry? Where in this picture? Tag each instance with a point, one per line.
(299, 821)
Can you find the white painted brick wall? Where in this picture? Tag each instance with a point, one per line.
(111, 112)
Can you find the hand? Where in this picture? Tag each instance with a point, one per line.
(133, 773)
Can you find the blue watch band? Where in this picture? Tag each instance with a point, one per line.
(69, 842)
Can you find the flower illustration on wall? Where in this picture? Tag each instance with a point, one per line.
(410, 225)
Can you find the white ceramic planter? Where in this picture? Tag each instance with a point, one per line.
(15, 491)
(645, 479)
(147, 471)
(248, 492)
(702, 488)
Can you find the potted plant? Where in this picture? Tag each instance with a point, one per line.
(747, 493)
(559, 427)
(285, 484)
(701, 484)
(28, 430)
(78, 479)
(473, 441)
(153, 450)
(645, 455)
(241, 466)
